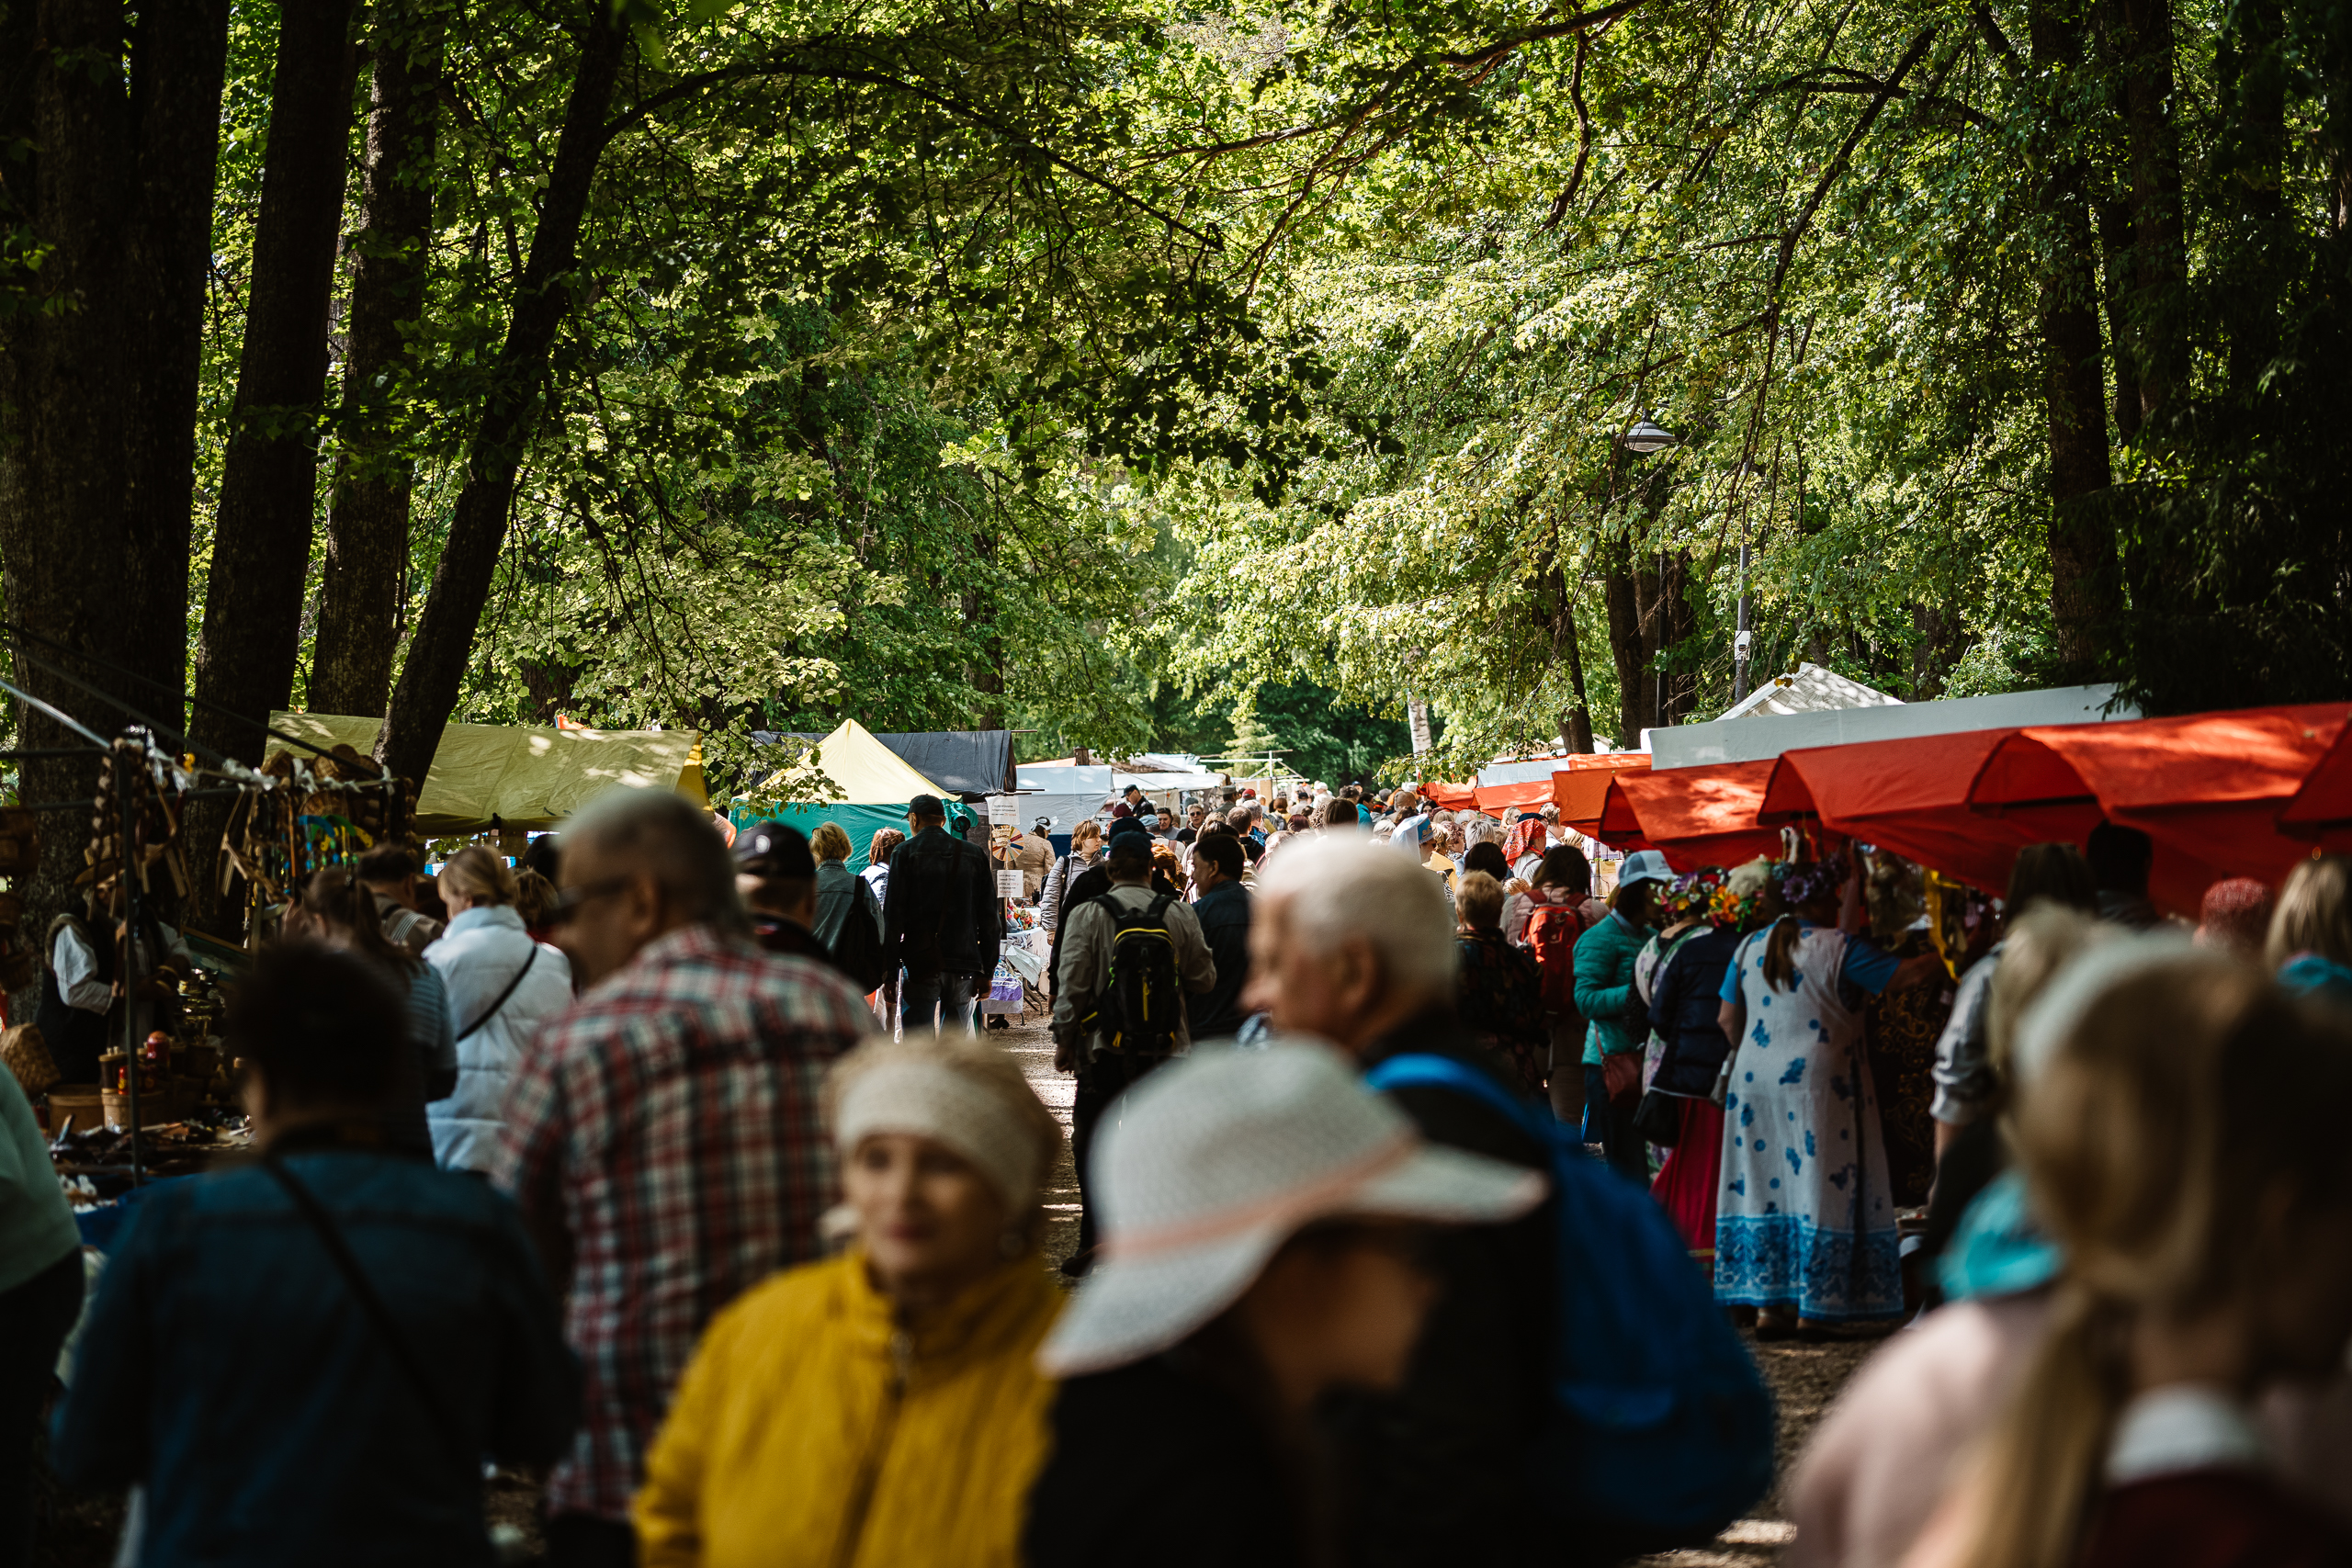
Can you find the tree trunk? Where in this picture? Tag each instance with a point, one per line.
(2254, 105)
(97, 381)
(2159, 258)
(1622, 598)
(2122, 343)
(1575, 729)
(2085, 595)
(261, 545)
(436, 666)
(366, 533)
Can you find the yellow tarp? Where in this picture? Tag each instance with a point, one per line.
(870, 771)
(524, 775)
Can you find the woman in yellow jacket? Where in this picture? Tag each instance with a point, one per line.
(881, 1410)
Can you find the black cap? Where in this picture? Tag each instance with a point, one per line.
(771, 849)
(926, 806)
(1126, 825)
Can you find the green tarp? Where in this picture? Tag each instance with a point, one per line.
(859, 821)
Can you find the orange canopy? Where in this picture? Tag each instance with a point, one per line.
(2320, 810)
(1909, 794)
(1528, 795)
(1703, 815)
(1581, 792)
(2207, 788)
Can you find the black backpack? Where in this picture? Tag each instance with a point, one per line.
(1142, 1004)
(857, 946)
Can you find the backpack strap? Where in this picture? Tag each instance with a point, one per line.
(1426, 1069)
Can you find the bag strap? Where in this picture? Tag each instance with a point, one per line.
(492, 1011)
(1423, 1070)
(371, 1305)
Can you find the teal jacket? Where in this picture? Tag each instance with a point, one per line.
(1605, 957)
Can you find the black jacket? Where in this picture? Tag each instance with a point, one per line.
(942, 915)
(1436, 1474)
(1154, 1466)
(1684, 998)
(1223, 914)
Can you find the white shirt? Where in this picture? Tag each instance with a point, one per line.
(2185, 1426)
(76, 966)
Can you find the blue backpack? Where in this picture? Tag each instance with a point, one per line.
(1661, 1429)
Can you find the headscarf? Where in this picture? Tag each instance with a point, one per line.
(1526, 839)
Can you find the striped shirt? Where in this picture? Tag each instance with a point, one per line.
(669, 1123)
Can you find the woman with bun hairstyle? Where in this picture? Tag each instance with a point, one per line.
(881, 1408)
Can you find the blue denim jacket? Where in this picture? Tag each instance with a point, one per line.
(228, 1365)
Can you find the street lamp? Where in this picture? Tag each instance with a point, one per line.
(1647, 436)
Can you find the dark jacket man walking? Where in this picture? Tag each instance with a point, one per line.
(942, 921)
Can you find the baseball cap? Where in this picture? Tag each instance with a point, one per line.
(771, 849)
(1644, 865)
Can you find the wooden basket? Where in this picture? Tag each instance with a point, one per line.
(82, 1101)
(26, 1055)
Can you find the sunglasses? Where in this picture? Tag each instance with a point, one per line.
(571, 900)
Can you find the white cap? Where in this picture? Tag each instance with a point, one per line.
(1208, 1166)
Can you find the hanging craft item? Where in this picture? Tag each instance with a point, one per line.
(155, 850)
(312, 812)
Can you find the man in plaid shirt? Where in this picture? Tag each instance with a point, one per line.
(663, 1136)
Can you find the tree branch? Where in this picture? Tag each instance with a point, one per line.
(1838, 164)
(1502, 47)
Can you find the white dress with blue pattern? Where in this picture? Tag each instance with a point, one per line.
(1804, 1215)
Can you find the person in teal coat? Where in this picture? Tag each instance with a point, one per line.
(1605, 957)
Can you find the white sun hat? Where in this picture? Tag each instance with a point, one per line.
(1208, 1166)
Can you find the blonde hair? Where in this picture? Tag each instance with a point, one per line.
(2314, 913)
(1090, 829)
(2041, 941)
(1480, 901)
(830, 841)
(478, 875)
(2151, 1140)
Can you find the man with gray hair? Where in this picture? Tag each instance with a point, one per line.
(663, 1136)
(1354, 942)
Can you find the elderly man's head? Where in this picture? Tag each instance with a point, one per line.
(637, 864)
(1349, 939)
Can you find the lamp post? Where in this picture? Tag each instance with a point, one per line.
(1743, 641)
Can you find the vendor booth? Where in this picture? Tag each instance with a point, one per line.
(876, 786)
(522, 775)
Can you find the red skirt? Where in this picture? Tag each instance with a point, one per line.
(1686, 1182)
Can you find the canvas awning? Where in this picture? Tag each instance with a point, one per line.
(1909, 795)
(968, 762)
(1769, 729)
(2208, 788)
(868, 773)
(1527, 785)
(2321, 809)
(520, 775)
(1704, 815)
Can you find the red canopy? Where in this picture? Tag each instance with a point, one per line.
(1528, 795)
(1582, 793)
(2321, 810)
(1703, 815)
(1908, 794)
(2205, 788)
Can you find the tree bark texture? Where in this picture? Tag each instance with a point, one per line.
(366, 533)
(436, 666)
(2254, 99)
(98, 383)
(2159, 256)
(261, 546)
(1629, 650)
(2084, 593)
(2115, 278)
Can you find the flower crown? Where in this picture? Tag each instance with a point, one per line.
(1806, 882)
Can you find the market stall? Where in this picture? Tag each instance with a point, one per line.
(520, 776)
(876, 786)
(1908, 794)
(1703, 815)
(2320, 811)
(2208, 788)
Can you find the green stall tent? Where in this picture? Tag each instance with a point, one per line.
(876, 786)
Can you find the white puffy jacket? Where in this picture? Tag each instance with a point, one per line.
(476, 956)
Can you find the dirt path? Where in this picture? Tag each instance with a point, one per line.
(1803, 1378)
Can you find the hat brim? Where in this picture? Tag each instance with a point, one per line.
(1131, 1307)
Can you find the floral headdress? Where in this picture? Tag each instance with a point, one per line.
(1807, 882)
(1692, 895)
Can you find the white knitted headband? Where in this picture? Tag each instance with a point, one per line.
(930, 1100)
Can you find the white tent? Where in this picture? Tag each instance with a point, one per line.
(1064, 797)
(1792, 712)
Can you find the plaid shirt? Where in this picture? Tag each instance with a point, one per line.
(669, 1123)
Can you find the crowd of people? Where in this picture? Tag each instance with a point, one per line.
(681, 1169)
